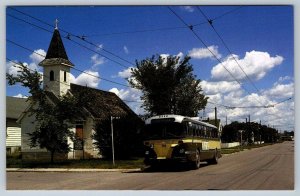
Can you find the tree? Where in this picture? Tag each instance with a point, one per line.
(168, 86)
(52, 120)
(230, 133)
(127, 140)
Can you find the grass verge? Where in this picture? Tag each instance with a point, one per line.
(13, 162)
(241, 148)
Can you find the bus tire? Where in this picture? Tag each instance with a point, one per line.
(215, 159)
(197, 162)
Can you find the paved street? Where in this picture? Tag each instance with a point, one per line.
(266, 168)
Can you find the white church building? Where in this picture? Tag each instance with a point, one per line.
(56, 82)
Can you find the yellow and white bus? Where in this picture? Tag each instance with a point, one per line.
(182, 139)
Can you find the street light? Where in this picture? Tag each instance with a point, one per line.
(112, 138)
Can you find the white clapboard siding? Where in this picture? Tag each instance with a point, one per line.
(13, 136)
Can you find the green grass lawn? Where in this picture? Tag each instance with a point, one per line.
(16, 162)
(241, 148)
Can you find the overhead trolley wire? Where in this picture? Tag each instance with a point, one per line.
(68, 38)
(129, 101)
(210, 22)
(214, 55)
(71, 67)
(222, 105)
(83, 38)
(228, 12)
(162, 29)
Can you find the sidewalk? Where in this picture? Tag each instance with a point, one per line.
(69, 170)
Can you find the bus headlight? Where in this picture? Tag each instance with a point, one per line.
(181, 151)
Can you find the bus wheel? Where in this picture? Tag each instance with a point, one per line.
(214, 160)
(197, 160)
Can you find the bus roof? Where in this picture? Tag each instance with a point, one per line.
(178, 119)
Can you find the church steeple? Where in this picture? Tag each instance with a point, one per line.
(56, 48)
(56, 66)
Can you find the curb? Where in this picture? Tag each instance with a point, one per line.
(70, 170)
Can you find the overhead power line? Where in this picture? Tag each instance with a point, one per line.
(210, 22)
(71, 67)
(104, 79)
(213, 54)
(16, 63)
(162, 29)
(228, 12)
(69, 34)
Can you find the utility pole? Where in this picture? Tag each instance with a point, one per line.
(241, 132)
(216, 121)
(260, 132)
(112, 138)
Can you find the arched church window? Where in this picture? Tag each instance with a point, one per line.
(65, 76)
(51, 75)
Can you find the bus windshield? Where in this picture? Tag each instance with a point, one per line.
(167, 130)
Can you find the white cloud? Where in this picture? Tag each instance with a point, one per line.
(255, 63)
(129, 94)
(96, 59)
(165, 57)
(20, 96)
(201, 53)
(270, 115)
(126, 73)
(90, 79)
(13, 68)
(280, 91)
(188, 8)
(126, 50)
(131, 97)
(281, 79)
(99, 47)
(38, 56)
(210, 88)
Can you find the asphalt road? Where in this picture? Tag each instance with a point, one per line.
(266, 168)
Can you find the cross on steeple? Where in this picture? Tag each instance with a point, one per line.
(56, 22)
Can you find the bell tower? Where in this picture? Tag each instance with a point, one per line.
(56, 66)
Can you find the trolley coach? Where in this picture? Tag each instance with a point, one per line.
(182, 139)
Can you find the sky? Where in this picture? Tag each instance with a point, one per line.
(246, 65)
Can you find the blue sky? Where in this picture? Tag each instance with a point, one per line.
(261, 38)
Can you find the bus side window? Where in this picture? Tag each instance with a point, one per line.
(202, 131)
(194, 129)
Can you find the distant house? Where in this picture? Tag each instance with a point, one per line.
(14, 108)
(56, 82)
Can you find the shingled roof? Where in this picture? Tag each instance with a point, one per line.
(15, 106)
(56, 53)
(102, 104)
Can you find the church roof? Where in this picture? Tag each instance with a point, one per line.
(101, 104)
(56, 53)
(15, 106)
